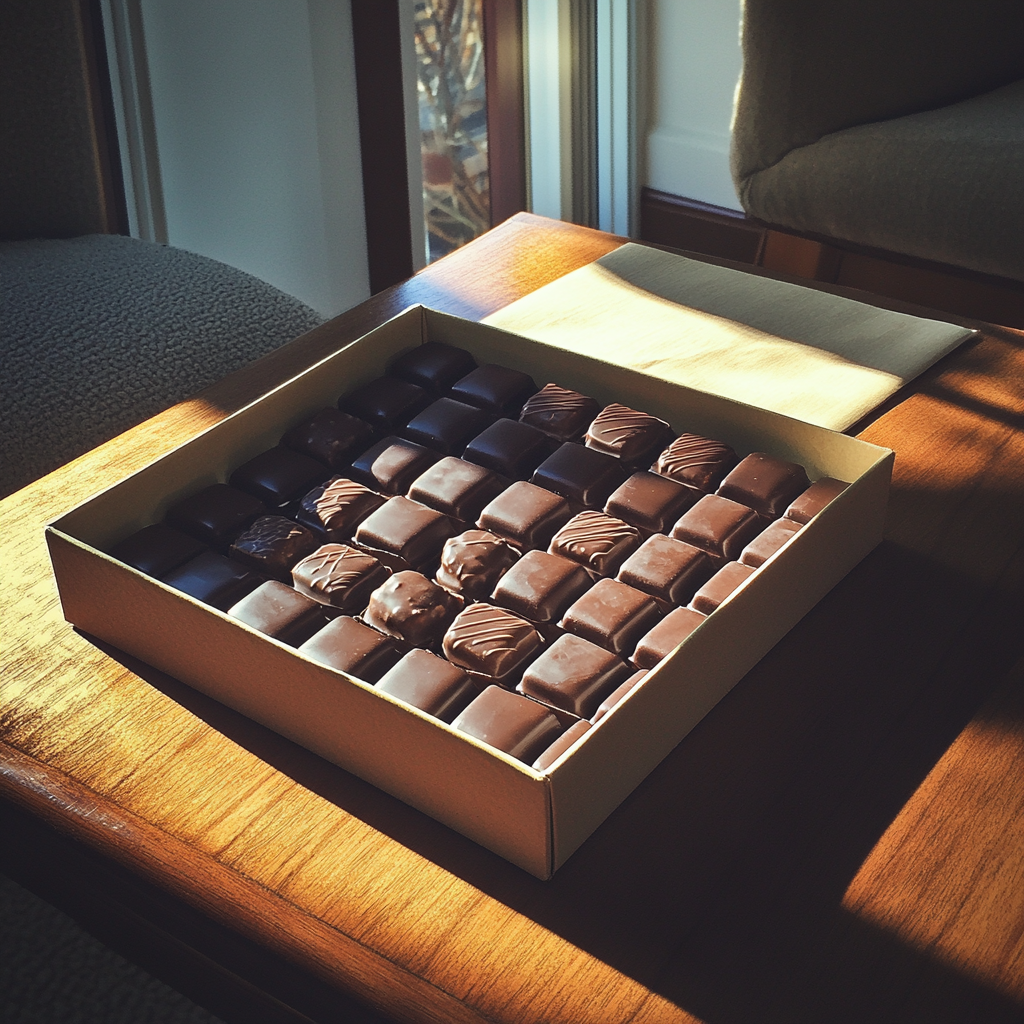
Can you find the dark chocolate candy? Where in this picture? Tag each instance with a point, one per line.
(337, 507)
(573, 674)
(216, 514)
(666, 636)
(580, 474)
(719, 526)
(616, 695)
(473, 562)
(510, 722)
(447, 426)
(353, 647)
(667, 569)
(213, 579)
(157, 549)
(340, 576)
(490, 641)
(525, 515)
(814, 499)
(412, 608)
(498, 389)
(331, 437)
(392, 464)
(612, 615)
(764, 483)
(404, 534)
(278, 476)
(280, 612)
(627, 434)
(650, 502)
(561, 745)
(597, 541)
(510, 448)
(272, 545)
(765, 544)
(719, 587)
(540, 586)
(385, 403)
(433, 365)
(559, 412)
(697, 461)
(429, 683)
(457, 488)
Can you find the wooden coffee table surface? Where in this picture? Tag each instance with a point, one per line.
(842, 838)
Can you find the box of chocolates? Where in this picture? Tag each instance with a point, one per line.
(496, 579)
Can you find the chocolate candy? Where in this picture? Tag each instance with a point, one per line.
(213, 579)
(473, 562)
(616, 695)
(697, 461)
(561, 745)
(666, 636)
(157, 549)
(392, 464)
(580, 474)
(280, 612)
(434, 365)
(764, 545)
(340, 576)
(490, 641)
(330, 436)
(814, 499)
(573, 674)
(718, 526)
(216, 514)
(412, 608)
(457, 488)
(612, 615)
(272, 545)
(404, 534)
(337, 507)
(525, 515)
(765, 484)
(498, 389)
(510, 722)
(667, 569)
(429, 683)
(510, 448)
(650, 502)
(278, 476)
(596, 541)
(385, 403)
(627, 434)
(559, 412)
(353, 647)
(447, 426)
(719, 587)
(540, 586)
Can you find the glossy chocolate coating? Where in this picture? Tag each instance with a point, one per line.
(405, 532)
(573, 674)
(337, 507)
(719, 587)
(698, 461)
(764, 483)
(597, 541)
(510, 722)
(561, 745)
(617, 694)
(157, 549)
(559, 412)
(216, 514)
(331, 437)
(340, 576)
(626, 433)
(667, 569)
(510, 448)
(473, 562)
(280, 612)
(814, 499)
(429, 683)
(433, 365)
(447, 426)
(525, 515)
(412, 608)
(272, 545)
(666, 636)
(213, 579)
(385, 403)
(650, 502)
(392, 464)
(278, 476)
(353, 647)
(490, 641)
(612, 615)
(540, 586)
(498, 389)
(457, 488)
(580, 474)
(721, 527)
(765, 544)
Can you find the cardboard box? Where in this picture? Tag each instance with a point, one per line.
(535, 820)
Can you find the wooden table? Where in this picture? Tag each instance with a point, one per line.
(842, 838)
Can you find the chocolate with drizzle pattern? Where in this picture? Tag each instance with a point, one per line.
(597, 541)
(489, 640)
(695, 460)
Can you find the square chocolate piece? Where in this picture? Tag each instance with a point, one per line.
(272, 545)
(718, 526)
(391, 465)
(213, 579)
(457, 488)
(433, 365)
(765, 484)
(665, 637)
(490, 641)
(612, 615)
(627, 434)
(561, 745)
(720, 586)
(404, 534)
(597, 541)
(580, 474)
(157, 549)
(340, 576)
(510, 448)
(337, 507)
(331, 437)
(278, 476)
(525, 515)
(473, 562)
(498, 389)
(540, 586)
(412, 608)
(429, 683)
(280, 612)
(667, 569)
(765, 544)
(814, 499)
(447, 426)
(697, 461)
(510, 722)
(650, 502)
(353, 647)
(216, 514)
(385, 403)
(616, 695)
(559, 412)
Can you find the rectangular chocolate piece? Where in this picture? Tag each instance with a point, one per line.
(559, 412)
(665, 637)
(280, 612)
(627, 434)
(697, 461)
(412, 608)
(718, 526)
(764, 483)
(213, 579)
(353, 647)
(616, 695)
(568, 739)
(272, 545)
(765, 544)
(510, 448)
(385, 403)
(525, 515)
(392, 464)
(278, 476)
(447, 426)
(650, 502)
(404, 534)
(157, 549)
(805, 507)
(331, 437)
(340, 576)
(429, 683)
(216, 514)
(580, 474)
(612, 615)
(540, 586)
(597, 541)
(499, 389)
(510, 722)
(337, 507)
(669, 570)
(457, 488)
(433, 366)
(490, 641)
(720, 586)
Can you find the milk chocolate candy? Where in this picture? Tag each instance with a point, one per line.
(814, 499)
(561, 745)
(540, 586)
(412, 608)
(272, 545)
(392, 464)
(525, 515)
(404, 534)
(385, 403)
(498, 389)
(457, 488)
(617, 694)
(510, 448)
(612, 615)
(510, 722)
(597, 541)
(446, 426)
(573, 674)
(559, 412)
(627, 434)
(650, 502)
(697, 461)
(353, 647)
(490, 641)
(157, 549)
(337, 507)
(216, 514)
(331, 437)
(213, 579)
(429, 683)
(280, 612)
(433, 365)
(719, 587)
(765, 544)
(665, 637)
(339, 576)
(278, 476)
(581, 474)
(473, 562)
(718, 526)
(764, 483)
(667, 569)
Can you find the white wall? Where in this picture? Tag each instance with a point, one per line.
(254, 105)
